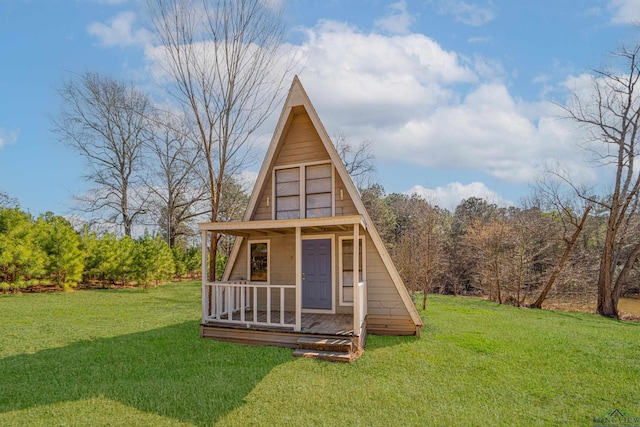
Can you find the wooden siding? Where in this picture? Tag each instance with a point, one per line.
(282, 263)
(282, 258)
(302, 143)
(250, 336)
(239, 270)
(344, 206)
(386, 310)
(386, 326)
(262, 211)
(387, 314)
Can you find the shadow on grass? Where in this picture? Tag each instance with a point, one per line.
(168, 371)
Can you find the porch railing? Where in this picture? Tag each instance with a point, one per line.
(360, 309)
(247, 303)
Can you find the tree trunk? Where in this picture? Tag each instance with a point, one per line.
(624, 274)
(563, 259)
(213, 250)
(606, 306)
(425, 291)
(424, 296)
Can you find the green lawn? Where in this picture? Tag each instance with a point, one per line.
(133, 357)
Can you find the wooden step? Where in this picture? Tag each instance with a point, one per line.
(344, 345)
(333, 356)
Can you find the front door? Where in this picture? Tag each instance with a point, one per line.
(316, 274)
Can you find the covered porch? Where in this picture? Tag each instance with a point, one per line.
(264, 312)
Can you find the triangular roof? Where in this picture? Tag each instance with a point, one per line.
(297, 97)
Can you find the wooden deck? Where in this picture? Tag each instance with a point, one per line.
(312, 323)
(330, 326)
(334, 324)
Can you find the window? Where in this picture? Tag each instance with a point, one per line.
(259, 261)
(304, 192)
(318, 191)
(346, 268)
(288, 193)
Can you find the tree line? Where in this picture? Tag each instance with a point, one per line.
(570, 240)
(47, 251)
(513, 255)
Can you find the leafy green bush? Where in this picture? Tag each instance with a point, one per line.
(20, 256)
(188, 261)
(64, 260)
(49, 251)
(153, 260)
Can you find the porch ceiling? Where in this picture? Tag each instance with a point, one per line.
(284, 226)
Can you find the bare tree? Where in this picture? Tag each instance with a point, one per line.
(374, 199)
(418, 241)
(572, 221)
(463, 265)
(7, 201)
(492, 245)
(358, 160)
(233, 203)
(530, 242)
(612, 117)
(175, 185)
(104, 120)
(224, 59)
(431, 232)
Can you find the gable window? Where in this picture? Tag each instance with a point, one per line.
(259, 261)
(318, 191)
(304, 191)
(346, 268)
(288, 193)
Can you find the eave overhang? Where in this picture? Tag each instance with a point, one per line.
(284, 226)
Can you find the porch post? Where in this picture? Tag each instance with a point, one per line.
(203, 248)
(357, 304)
(205, 291)
(298, 247)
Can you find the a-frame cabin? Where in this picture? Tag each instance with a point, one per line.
(290, 277)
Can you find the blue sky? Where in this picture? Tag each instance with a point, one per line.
(454, 94)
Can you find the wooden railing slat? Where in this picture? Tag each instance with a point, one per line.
(230, 297)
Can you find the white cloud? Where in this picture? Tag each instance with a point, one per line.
(479, 39)
(424, 105)
(374, 79)
(488, 69)
(468, 12)
(398, 21)
(485, 131)
(8, 136)
(452, 194)
(120, 31)
(625, 11)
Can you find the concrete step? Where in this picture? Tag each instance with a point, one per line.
(333, 356)
(344, 345)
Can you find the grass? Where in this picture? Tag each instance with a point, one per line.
(133, 357)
